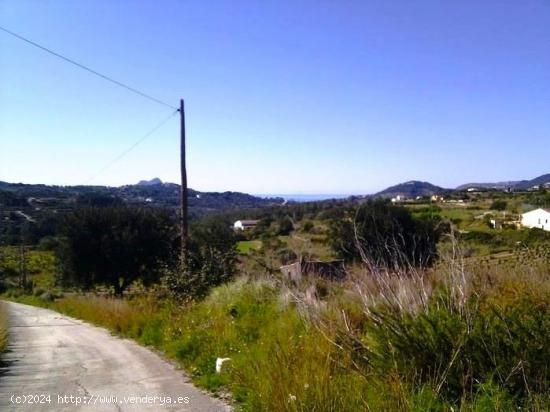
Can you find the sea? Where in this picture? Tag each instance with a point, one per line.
(300, 197)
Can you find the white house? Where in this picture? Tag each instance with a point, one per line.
(537, 218)
(245, 224)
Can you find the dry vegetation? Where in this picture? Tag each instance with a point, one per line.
(457, 337)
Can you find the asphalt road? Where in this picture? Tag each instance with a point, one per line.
(52, 357)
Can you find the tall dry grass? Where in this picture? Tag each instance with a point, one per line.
(458, 335)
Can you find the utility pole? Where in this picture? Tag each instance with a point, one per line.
(183, 212)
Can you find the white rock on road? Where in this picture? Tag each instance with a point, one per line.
(52, 354)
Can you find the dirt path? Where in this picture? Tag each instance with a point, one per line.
(52, 354)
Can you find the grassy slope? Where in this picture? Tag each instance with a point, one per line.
(245, 246)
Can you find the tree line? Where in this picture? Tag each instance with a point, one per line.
(104, 242)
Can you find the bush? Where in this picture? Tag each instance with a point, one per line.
(212, 259)
(499, 205)
(308, 226)
(284, 226)
(262, 227)
(478, 236)
(536, 236)
(48, 243)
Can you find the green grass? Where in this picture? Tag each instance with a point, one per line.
(246, 246)
(308, 244)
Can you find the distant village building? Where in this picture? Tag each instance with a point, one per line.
(245, 224)
(496, 223)
(539, 218)
(436, 198)
(503, 220)
(332, 270)
(398, 199)
(535, 188)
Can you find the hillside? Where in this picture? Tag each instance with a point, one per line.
(411, 189)
(22, 203)
(543, 180)
(494, 185)
(513, 184)
(152, 193)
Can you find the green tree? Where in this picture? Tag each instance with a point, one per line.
(385, 235)
(499, 204)
(114, 246)
(263, 226)
(284, 226)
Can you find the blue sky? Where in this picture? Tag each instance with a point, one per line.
(281, 96)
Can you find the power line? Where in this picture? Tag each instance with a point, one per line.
(110, 79)
(124, 153)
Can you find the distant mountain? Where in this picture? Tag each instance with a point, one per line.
(513, 184)
(497, 185)
(411, 189)
(154, 181)
(543, 180)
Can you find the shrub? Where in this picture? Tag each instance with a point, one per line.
(536, 236)
(499, 204)
(284, 226)
(212, 258)
(478, 236)
(308, 226)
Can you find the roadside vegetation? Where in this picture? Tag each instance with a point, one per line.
(459, 338)
(438, 311)
(3, 328)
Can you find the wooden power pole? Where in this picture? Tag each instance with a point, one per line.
(183, 213)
